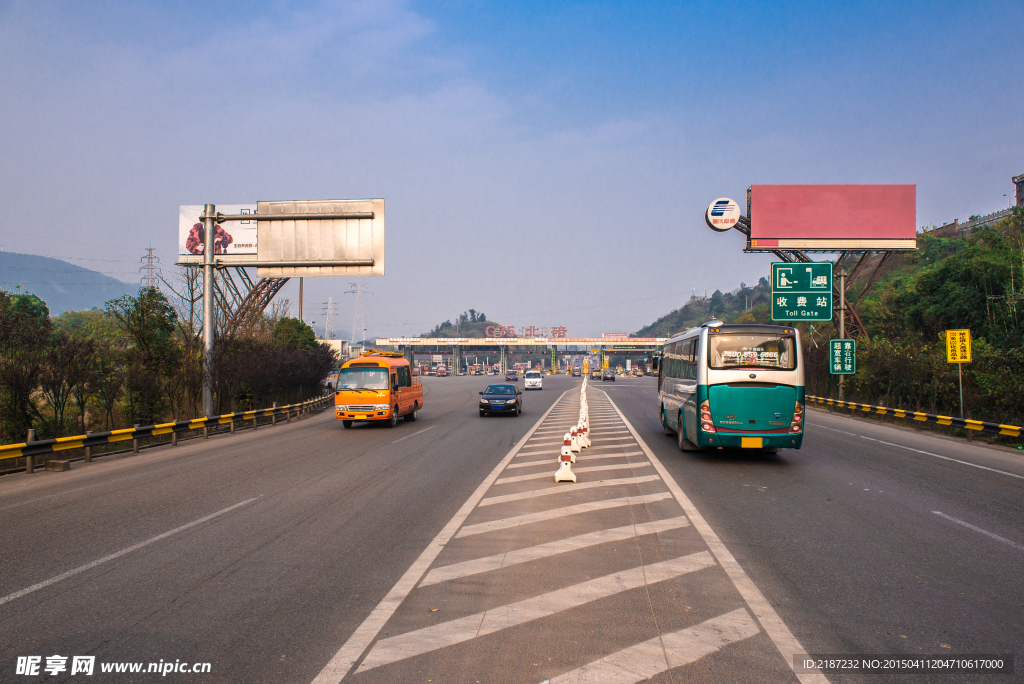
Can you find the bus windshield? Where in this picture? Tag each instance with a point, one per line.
(375, 378)
(751, 351)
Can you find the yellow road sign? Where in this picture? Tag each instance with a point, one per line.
(586, 366)
(958, 346)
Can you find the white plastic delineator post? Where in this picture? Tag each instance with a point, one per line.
(574, 443)
(567, 448)
(564, 472)
(582, 435)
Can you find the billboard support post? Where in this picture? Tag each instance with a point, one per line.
(209, 226)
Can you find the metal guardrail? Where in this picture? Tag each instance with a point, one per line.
(978, 425)
(50, 446)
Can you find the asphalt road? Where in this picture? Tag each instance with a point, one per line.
(263, 553)
(265, 592)
(851, 538)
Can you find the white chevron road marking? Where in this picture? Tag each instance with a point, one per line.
(665, 652)
(555, 513)
(463, 629)
(582, 541)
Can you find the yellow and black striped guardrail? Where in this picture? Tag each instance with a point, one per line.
(50, 446)
(978, 425)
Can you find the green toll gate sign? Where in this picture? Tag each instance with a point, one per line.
(842, 357)
(802, 291)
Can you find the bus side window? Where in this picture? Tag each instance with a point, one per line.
(394, 382)
(404, 377)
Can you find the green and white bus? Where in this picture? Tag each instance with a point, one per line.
(733, 386)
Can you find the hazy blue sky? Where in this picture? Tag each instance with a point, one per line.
(546, 163)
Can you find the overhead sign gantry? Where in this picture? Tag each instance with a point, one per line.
(281, 240)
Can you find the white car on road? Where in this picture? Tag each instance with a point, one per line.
(533, 380)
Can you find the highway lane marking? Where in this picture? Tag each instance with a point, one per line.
(456, 631)
(506, 559)
(643, 661)
(122, 552)
(414, 434)
(547, 461)
(550, 491)
(342, 661)
(969, 526)
(771, 622)
(579, 469)
(555, 513)
(926, 453)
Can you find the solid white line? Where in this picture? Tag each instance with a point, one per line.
(502, 617)
(581, 469)
(556, 489)
(926, 453)
(978, 529)
(771, 622)
(414, 434)
(555, 513)
(590, 457)
(105, 559)
(342, 661)
(643, 661)
(505, 559)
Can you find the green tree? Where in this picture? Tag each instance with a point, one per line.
(291, 332)
(24, 333)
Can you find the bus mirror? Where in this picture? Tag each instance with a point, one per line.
(655, 362)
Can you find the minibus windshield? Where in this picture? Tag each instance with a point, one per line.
(727, 351)
(363, 378)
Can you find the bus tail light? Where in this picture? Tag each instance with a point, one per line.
(798, 417)
(706, 424)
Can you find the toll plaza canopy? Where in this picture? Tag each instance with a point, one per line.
(621, 345)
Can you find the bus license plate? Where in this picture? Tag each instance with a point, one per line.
(751, 442)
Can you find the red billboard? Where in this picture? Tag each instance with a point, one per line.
(831, 217)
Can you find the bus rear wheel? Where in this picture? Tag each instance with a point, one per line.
(412, 415)
(685, 444)
(664, 422)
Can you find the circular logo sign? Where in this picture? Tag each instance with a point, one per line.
(722, 215)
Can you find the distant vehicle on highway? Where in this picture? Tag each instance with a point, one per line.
(501, 399)
(576, 372)
(377, 386)
(608, 375)
(595, 374)
(733, 386)
(512, 375)
(442, 371)
(533, 380)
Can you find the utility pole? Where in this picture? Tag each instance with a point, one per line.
(150, 268)
(358, 317)
(209, 226)
(330, 308)
(842, 320)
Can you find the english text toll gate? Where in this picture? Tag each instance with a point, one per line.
(458, 348)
